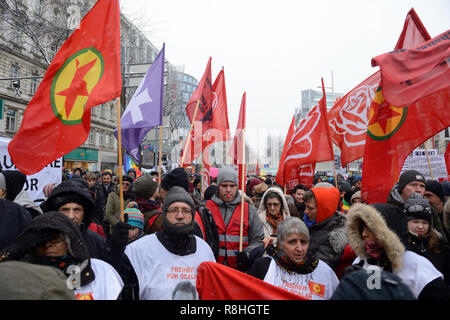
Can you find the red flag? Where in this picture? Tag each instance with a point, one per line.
(408, 75)
(349, 117)
(392, 135)
(218, 127)
(84, 73)
(310, 142)
(218, 282)
(205, 175)
(279, 178)
(237, 149)
(203, 93)
(413, 32)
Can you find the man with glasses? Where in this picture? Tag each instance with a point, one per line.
(226, 210)
(161, 260)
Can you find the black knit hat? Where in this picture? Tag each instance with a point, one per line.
(145, 186)
(409, 176)
(417, 207)
(176, 177)
(127, 177)
(435, 187)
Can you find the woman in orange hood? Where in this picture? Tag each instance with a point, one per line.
(326, 224)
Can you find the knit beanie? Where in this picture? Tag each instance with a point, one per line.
(417, 207)
(227, 174)
(409, 176)
(210, 192)
(14, 182)
(178, 194)
(135, 217)
(435, 187)
(356, 195)
(176, 177)
(145, 186)
(127, 177)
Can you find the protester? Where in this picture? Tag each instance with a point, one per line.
(360, 285)
(326, 224)
(272, 210)
(134, 217)
(27, 281)
(205, 226)
(296, 203)
(434, 193)
(197, 189)
(423, 239)
(259, 190)
(13, 220)
(226, 210)
(356, 184)
(409, 182)
(374, 234)
(147, 197)
(356, 198)
(97, 195)
(107, 185)
(112, 209)
(132, 173)
(11, 185)
(162, 259)
(52, 239)
(291, 265)
(73, 199)
(346, 193)
(251, 183)
(210, 191)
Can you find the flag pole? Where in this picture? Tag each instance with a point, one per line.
(160, 154)
(428, 159)
(119, 147)
(189, 135)
(241, 229)
(331, 144)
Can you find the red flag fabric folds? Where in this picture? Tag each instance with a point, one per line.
(393, 133)
(237, 149)
(310, 142)
(218, 282)
(349, 117)
(85, 72)
(279, 178)
(408, 75)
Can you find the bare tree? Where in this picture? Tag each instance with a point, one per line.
(43, 25)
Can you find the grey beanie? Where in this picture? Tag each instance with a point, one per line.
(178, 194)
(227, 174)
(145, 186)
(417, 207)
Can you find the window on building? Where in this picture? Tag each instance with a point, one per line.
(91, 139)
(14, 72)
(446, 133)
(34, 83)
(11, 120)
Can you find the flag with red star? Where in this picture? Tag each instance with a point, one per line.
(85, 72)
(392, 134)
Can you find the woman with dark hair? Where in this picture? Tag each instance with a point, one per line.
(273, 209)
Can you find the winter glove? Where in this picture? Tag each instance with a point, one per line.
(119, 236)
(27, 242)
(243, 262)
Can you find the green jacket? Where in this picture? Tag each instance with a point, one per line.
(112, 209)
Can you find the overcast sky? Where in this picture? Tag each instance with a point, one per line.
(274, 49)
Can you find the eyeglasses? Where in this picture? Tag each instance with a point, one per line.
(126, 184)
(273, 204)
(184, 211)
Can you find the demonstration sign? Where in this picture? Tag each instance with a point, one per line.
(418, 161)
(35, 183)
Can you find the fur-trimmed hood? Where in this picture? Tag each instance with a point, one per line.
(377, 224)
(262, 211)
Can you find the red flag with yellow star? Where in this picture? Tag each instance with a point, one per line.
(84, 73)
(392, 134)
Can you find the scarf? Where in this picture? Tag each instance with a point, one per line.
(373, 249)
(146, 205)
(308, 222)
(308, 265)
(274, 221)
(60, 262)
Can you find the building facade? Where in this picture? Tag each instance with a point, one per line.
(26, 50)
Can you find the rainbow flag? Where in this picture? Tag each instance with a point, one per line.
(129, 164)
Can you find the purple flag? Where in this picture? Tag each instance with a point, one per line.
(145, 109)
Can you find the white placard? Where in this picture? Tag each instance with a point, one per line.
(35, 183)
(418, 161)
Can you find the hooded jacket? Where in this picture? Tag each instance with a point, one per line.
(255, 231)
(76, 190)
(89, 269)
(328, 237)
(418, 273)
(262, 211)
